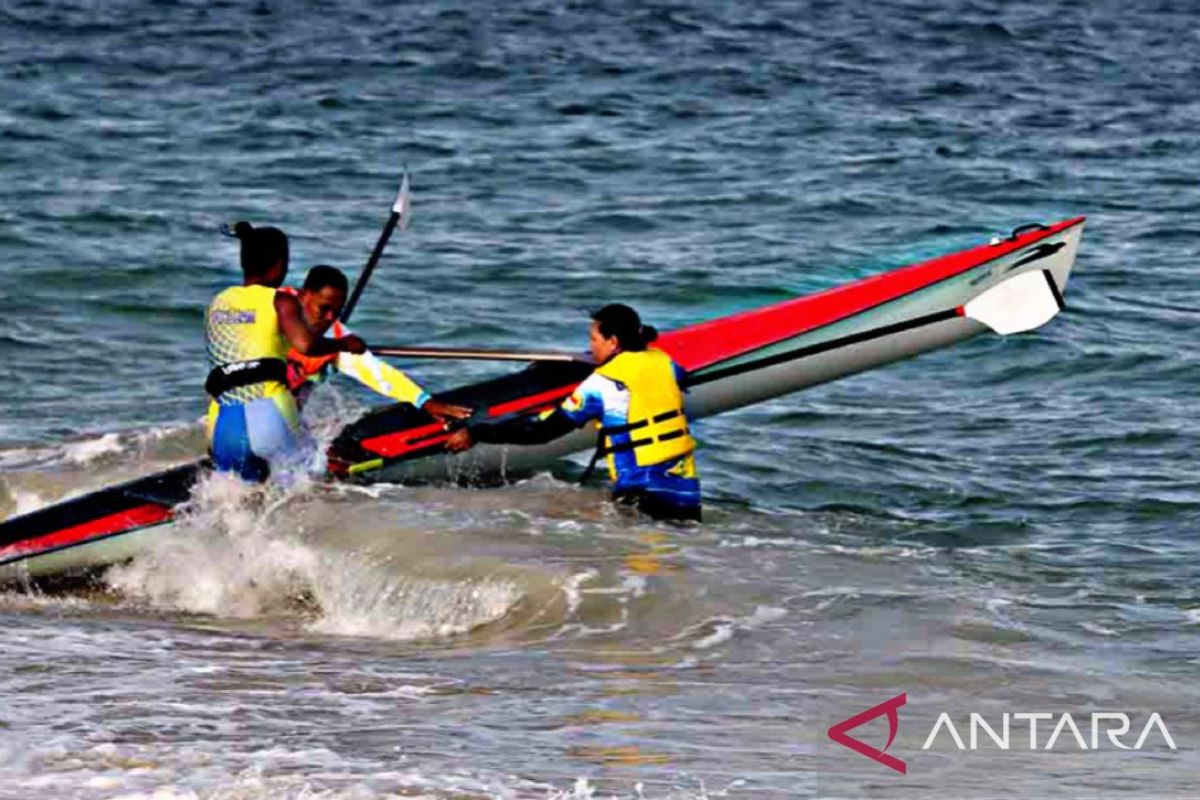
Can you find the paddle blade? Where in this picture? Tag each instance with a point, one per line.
(403, 202)
(1021, 303)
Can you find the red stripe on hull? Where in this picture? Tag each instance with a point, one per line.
(707, 343)
(121, 522)
(392, 445)
(529, 403)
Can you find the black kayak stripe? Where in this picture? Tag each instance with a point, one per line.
(823, 347)
(168, 489)
(1043, 250)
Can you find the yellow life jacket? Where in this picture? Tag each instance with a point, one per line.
(656, 423)
(246, 350)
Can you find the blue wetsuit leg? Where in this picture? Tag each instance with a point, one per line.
(231, 450)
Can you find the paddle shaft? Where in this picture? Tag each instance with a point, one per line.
(399, 209)
(474, 354)
(991, 317)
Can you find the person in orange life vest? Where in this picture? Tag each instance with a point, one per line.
(321, 299)
(636, 397)
(253, 422)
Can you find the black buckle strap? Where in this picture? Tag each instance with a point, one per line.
(613, 430)
(244, 373)
(634, 444)
(623, 447)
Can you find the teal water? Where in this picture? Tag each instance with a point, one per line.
(1008, 524)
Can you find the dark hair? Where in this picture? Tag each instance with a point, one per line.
(324, 275)
(624, 323)
(261, 248)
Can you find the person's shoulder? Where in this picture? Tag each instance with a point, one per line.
(597, 384)
(284, 298)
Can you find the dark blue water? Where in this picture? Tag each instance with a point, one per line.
(1011, 519)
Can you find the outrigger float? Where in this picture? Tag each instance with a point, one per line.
(1008, 285)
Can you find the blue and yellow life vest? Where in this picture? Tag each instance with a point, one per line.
(656, 423)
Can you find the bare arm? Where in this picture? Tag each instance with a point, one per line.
(301, 337)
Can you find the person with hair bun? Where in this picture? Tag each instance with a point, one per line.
(253, 421)
(635, 394)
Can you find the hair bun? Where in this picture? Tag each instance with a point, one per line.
(649, 333)
(242, 229)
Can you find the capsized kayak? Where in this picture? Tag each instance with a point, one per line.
(732, 361)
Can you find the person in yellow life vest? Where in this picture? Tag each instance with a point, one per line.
(253, 421)
(635, 395)
(322, 298)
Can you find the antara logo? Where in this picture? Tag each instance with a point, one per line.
(889, 707)
(1114, 724)
(1106, 728)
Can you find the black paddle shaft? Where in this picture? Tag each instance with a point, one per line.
(376, 254)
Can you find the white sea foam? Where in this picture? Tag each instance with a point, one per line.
(571, 589)
(1099, 630)
(14, 502)
(725, 628)
(354, 601)
(154, 772)
(88, 450)
(169, 442)
(235, 554)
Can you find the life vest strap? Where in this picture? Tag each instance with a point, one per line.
(633, 444)
(613, 430)
(234, 375)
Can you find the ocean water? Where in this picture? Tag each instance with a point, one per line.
(1003, 527)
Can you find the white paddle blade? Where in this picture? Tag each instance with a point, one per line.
(403, 202)
(1021, 303)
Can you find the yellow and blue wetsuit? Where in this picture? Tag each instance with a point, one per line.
(637, 400)
(253, 420)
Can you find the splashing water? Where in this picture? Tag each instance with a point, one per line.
(220, 558)
(237, 552)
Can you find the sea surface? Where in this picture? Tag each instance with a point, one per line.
(1008, 526)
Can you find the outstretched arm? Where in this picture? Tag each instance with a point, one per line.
(545, 427)
(370, 371)
(583, 405)
(378, 376)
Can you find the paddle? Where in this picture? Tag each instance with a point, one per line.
(399, 216)
(478, 354)
(1020, 303)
